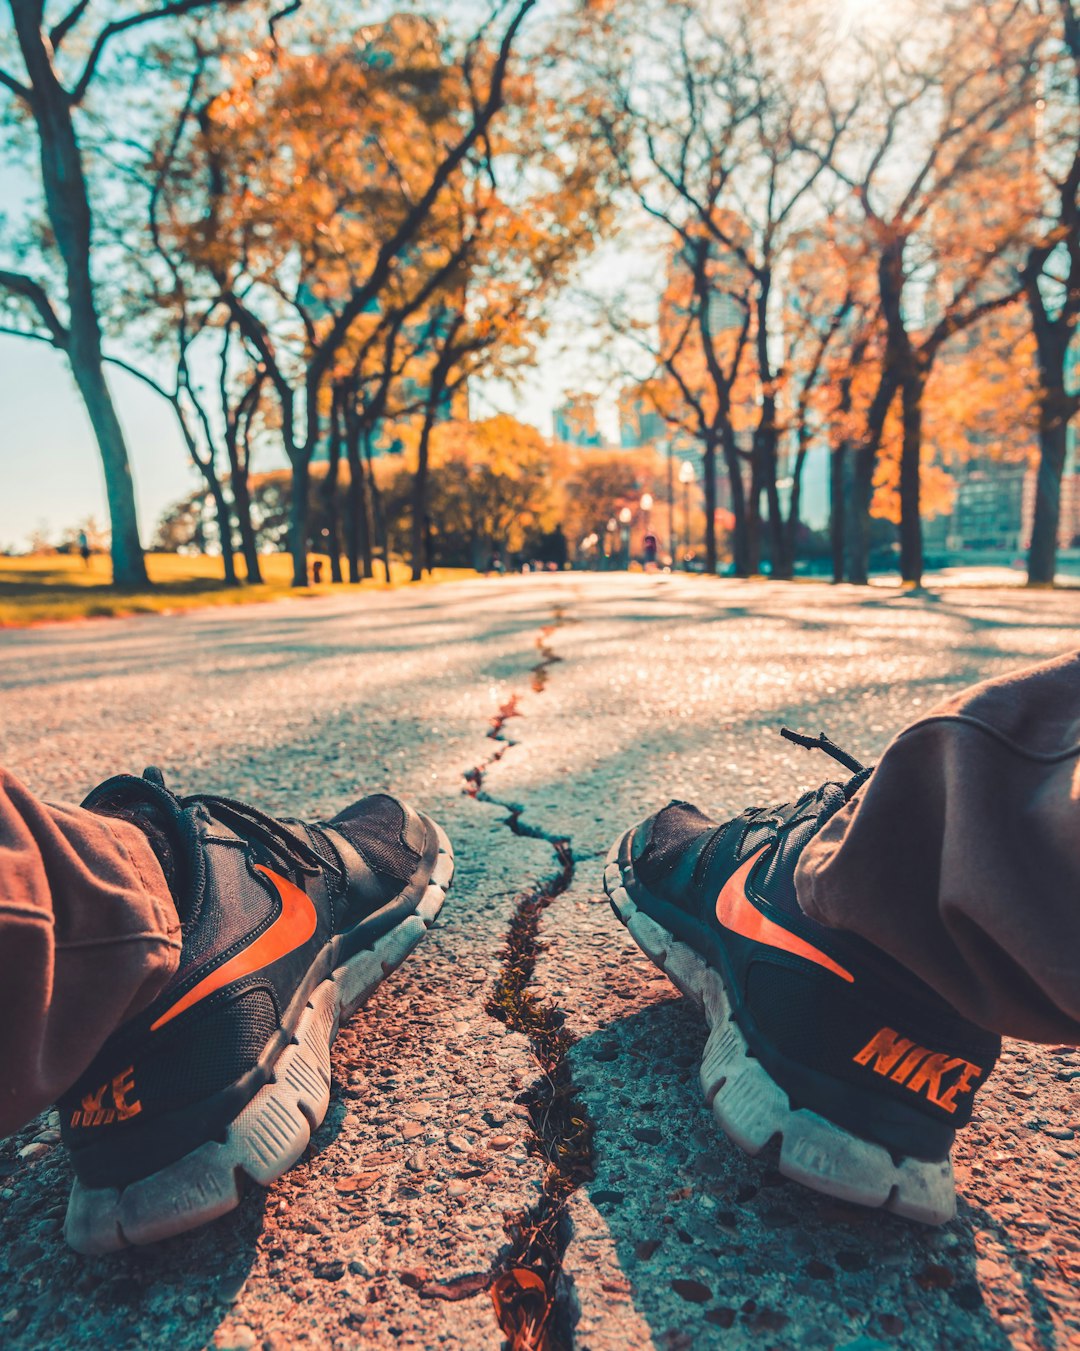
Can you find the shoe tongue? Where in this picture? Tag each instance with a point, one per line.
(146, 802)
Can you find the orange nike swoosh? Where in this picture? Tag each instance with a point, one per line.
(741, 916)
(293, 927)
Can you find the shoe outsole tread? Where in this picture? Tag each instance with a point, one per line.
(273, 1130)
(753, 1110)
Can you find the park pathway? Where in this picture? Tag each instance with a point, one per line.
(523, 1093)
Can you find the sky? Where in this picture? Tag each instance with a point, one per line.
(50, 472)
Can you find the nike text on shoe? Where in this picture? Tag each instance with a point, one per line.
(287, 927)
(817, 1039)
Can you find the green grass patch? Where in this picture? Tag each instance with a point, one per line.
(44, 588)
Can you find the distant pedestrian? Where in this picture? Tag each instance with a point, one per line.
(84, 548)
(316, 571)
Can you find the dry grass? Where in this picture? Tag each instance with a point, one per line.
(48, 587)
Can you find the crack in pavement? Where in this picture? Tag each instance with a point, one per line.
(525, 1284)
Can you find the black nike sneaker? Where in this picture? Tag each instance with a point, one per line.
(286, 928)
(818, 1039)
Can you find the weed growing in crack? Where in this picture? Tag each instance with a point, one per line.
(563, 1132)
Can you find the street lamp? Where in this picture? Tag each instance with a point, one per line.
(686, 477)
(625, 517)
(610, 528)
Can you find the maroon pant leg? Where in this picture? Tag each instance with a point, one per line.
(88, 936)
(961, 855)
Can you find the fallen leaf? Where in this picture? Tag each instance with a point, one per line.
(521, 1301)
(462, 1287)
(356, 1182)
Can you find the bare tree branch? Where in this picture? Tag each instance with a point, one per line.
(17, 283)
(172, 10)
(10, 82)
(59, 31)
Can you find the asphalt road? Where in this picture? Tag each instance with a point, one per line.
(605, 696)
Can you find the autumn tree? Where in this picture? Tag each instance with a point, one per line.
(491, 484)
(944, 137)
(62, 63)
(308, 209)
(597, 484)
(724, 135)
(523, 217)
(1051, 274)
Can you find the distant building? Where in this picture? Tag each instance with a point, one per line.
(639, 422)
(987, 510)
(575, 421)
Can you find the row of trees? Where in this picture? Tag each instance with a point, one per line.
(290, 232)
(302, 232)
(496, 489)
(858, 205)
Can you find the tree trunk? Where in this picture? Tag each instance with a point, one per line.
(381, 532)
(1054, 410)
(709, 467)
(838, 464)
(68, 209)
(753, 513)
(767, 438)
(241, 495)
(298, 521)
(862, 479)
(862, 494)
(740, 544)
(357, 532)
(911, 550)
(420, 482)
(784, 567)
(333, 541)
(224, 522)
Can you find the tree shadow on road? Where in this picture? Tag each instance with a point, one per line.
(172, 1294)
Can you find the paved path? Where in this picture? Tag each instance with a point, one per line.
(528, 1023)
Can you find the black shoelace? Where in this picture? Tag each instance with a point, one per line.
(785, 814)
(826, 744)
(275, 835)
(249, 821)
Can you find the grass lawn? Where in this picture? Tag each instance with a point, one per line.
(47, 587)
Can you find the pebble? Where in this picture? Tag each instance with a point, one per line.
(239, 1338)
(229, 1288)
(36, 1150)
